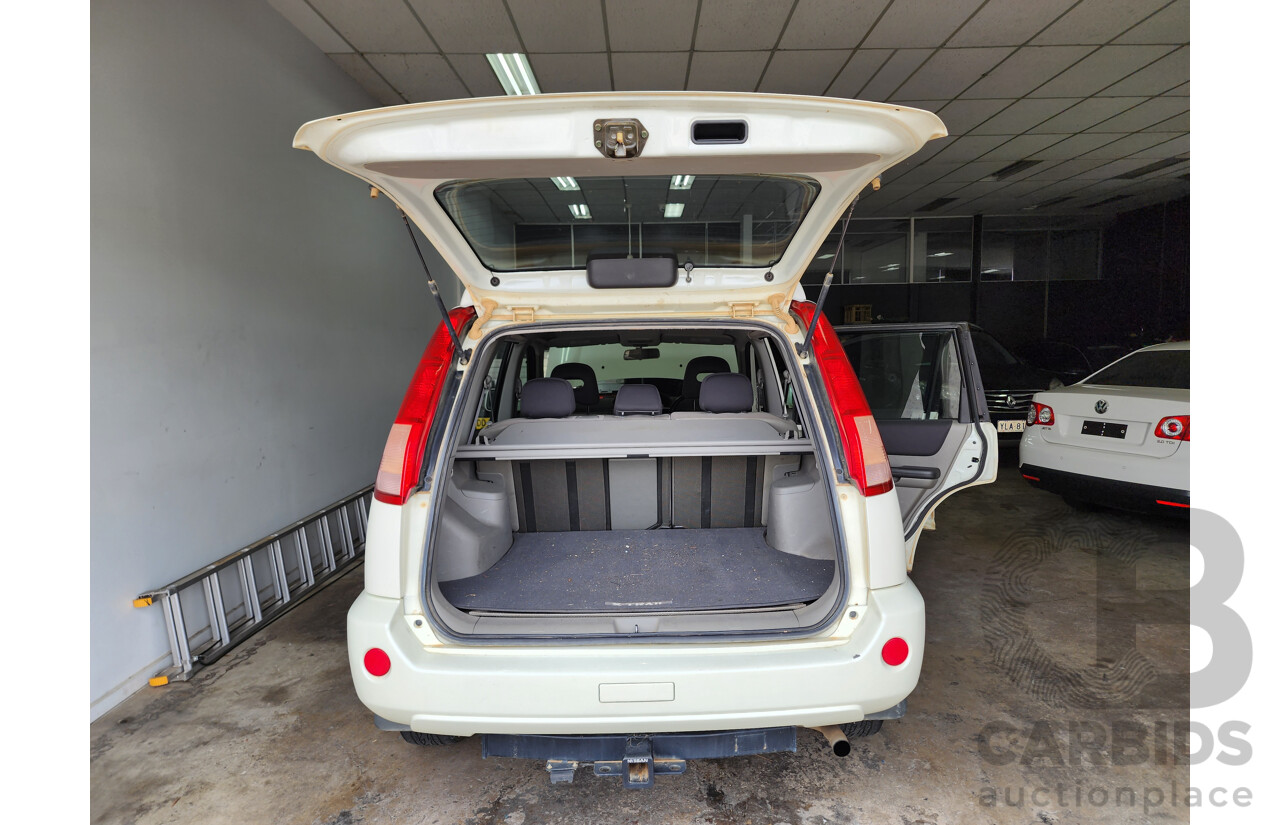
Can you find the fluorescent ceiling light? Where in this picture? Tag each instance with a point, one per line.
(891, 266)
(580, 210)
(514, 73)
(940, 254)
(826, 256)
(565, 184)
(673, 210)
(992, 271)
(682, 181)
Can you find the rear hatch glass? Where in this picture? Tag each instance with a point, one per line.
(556, 223)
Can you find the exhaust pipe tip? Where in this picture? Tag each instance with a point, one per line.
(836, 738)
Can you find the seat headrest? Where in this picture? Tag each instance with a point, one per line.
(725, 392)
(546, 398)
(587, 394)
(637, 399)
(701, 365)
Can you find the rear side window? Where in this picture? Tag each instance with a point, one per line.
(1168, 369)
(908, 375)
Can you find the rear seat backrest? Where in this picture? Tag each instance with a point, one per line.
(547, 398)
(637, 399)
(725, 392)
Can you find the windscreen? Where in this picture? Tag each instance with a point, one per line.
(1170, 369)
(523, 224)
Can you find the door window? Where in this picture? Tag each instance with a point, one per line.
(913, 376)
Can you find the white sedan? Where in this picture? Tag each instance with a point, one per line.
(1121, 437)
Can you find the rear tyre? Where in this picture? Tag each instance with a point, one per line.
(427, 739)
(867, 727)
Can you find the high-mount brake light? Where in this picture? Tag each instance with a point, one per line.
(1174, 428)
(864, 451)
(1040, 414)
(402, 456)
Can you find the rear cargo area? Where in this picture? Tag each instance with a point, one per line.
(657, 534)
(644, 571)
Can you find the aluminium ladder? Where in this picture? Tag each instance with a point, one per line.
(218, 606)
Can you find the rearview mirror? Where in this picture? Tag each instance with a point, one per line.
(641, 354)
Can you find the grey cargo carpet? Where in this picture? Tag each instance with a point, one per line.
(641, 571)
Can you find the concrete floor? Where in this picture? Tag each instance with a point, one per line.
(1019, 634)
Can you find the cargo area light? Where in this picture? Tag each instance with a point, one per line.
(682, 181)
(673, 210)
(566, 184)
(580, 211)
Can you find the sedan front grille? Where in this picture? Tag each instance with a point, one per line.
(1018, 401)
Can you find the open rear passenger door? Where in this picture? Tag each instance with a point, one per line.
(924, 388)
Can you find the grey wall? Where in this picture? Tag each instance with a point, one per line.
(255, 317)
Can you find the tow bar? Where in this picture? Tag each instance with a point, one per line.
(637, 758)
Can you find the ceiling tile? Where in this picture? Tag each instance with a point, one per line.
(1179, 145)
(1023, 115)
(376, 25)
(476, 27)
(1171, 24)
(1177, 123)
(830, 24)
(305, 20)
(1167, 73)
(969, 172)
(807, 72)
(1021, 147)
(419, 76)
(740, 24)
(950, 71)
(1113, 168)
(1087, 113)
(1008, 22)
(1129, 145)
(1026, 69)
(356, 66)
(563, 26)
(962, 115)
(1099, 70)
(969, 147)
(1066, 170)
(1143, 115)
(655, 26)
(571, 72)
(919, 176)
(911, 24)
(1097, 21)
(1071, 147)
(859, 70)
(726, 71)
(649, 71)
(891, 75)
(475, 71)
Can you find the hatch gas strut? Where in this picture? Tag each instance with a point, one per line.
(802, 349)
(464, 355)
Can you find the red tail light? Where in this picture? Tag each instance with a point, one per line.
(402, 457)
(1040, 414)
(1175, 428)
(863, 450)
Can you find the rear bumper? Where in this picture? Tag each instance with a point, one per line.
(564, 688)
(1125, 495)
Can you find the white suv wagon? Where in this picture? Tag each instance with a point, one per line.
(635, 507)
